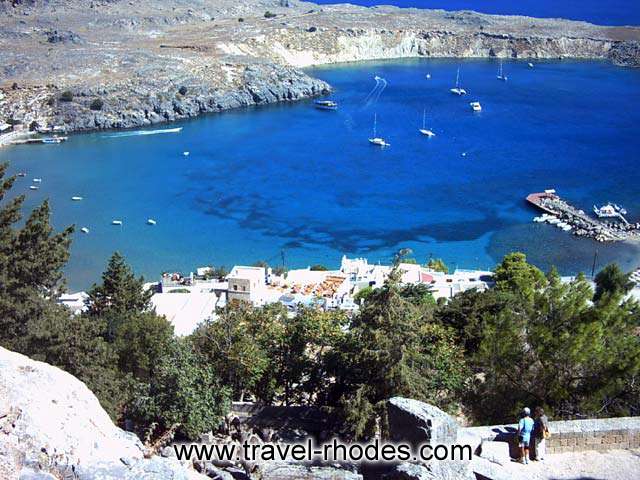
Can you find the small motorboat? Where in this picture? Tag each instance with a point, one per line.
(53, 140)
(428, 76)
(76, 198)
(22, 174)
(34, 187)
(116, 222)
(530, 65)
(186, 154)
(326, 104)
(84, 230)
(476, 107)
(37, 180)
(151, 221)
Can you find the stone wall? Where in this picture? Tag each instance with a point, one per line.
(573, 435)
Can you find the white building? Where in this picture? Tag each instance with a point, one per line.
(248, 284)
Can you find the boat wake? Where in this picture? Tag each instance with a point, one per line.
(374, 94)
(137, 133)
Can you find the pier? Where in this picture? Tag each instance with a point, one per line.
(561, 213)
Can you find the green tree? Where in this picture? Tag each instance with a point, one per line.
(438, 265)
(184, 396)
(31, 262)
(517, 276)
(393, 347)
(120, 295)
(611, 281)
(232, 350)
(318, 268)
(141, 342)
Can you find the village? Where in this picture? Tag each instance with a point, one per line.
(188, 300)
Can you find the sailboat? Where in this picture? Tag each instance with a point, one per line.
(501, 75)
(375, 140)
(424, 130)
(457, 90)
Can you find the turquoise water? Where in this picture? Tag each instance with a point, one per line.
(613, 12)
(289, 177)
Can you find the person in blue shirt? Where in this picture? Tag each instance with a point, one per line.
(525, 427)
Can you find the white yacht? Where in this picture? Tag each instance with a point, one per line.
(76, 198)
(84, 230)
(530, 65)
(501, 75)
(34, 187)
(475, 106)
(375, 140)
(37, 180)
(116, 222)
(606, 211)
(424, 130)
(457, 90)
(151, 221)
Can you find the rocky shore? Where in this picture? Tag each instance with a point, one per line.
(91, 65)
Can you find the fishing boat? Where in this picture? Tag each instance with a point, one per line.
(151, 221)
(424, 130)
(375, 140)
(84, 230)
(116, 222)
(457, 90)
(501, 76)
(76, 198)
(476, 107)
(326, 104)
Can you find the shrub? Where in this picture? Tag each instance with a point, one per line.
(96, 104)
(66, 96)
(312, 29)
(241, 19)
(51, 101)
(269, 14)
(182, 90)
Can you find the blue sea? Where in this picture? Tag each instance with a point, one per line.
(292, 181)
(612, 12)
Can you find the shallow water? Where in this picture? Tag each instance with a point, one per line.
(291, 179)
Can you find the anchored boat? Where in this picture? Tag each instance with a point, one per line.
(457, 90)
(326, 104)
(375, 140)
(424, 130)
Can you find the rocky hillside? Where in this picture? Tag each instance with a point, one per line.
(115, 64)
(52, 427)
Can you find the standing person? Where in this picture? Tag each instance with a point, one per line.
(525, 428)
(540, 433)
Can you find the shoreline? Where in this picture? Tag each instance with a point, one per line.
(170, 63)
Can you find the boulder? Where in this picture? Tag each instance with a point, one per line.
(409, 471)
(297, 471)
(50, 422)
(418, 423)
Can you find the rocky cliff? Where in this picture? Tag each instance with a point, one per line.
(52, 426)
(118, 64)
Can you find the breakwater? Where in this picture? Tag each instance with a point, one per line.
(561, 213)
